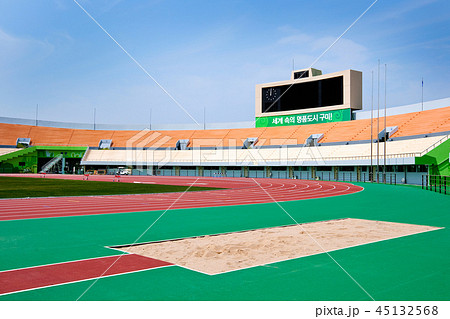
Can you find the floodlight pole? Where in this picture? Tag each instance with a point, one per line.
(37, 111)
(204, 118)
(385, 133)
(422, 93)
(378, 123)
(94, 117)
(371, 136)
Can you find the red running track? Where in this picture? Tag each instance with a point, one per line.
(73, 271)
(238, 191)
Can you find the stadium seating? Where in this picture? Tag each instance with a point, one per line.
(236, 137)
(409, 124)
(50, 136)
(208, 138)
(394, 149)
(285, 135)
(88, 137)
(10, 132)
(4, 151)
(425, 122)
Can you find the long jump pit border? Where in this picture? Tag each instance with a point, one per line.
(222, 253)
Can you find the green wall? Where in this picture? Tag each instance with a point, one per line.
(26, 160)
(29, 164)
(437, 159)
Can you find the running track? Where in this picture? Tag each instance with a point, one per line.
(74, 271)
(238, 191)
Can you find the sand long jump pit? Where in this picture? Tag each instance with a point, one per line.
(216, 254)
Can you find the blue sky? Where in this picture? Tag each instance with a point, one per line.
(207, 54)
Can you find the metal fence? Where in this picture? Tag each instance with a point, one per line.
(384, 178)
(436, 183)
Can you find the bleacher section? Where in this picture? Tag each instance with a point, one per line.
(4, 151)
(398, 153)
(409, 124)
(343, 149)
(50, 136)
(10, 132)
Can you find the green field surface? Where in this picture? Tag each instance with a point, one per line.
(21, 187)
(408, 268)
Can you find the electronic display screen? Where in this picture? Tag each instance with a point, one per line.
(306, 95)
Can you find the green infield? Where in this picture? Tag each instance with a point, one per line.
(20, 187)
(407, 268)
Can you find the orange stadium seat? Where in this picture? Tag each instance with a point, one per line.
(425, 122)
(170, 138)
(364, 130)
(345, 131)
(444, 126)
(236, 137)
(10, 132)
(208, 138)
(124, 138)
(325, 129)
(89, 137)
(50, 136)
(409, 124)
(279, 135)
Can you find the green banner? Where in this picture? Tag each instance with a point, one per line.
(66, 154)
(304, 118)
(67, 151)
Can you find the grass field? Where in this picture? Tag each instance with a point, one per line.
(407, 268)
(20, 187)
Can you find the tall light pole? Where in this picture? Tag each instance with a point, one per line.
(422, 93)
(371, 136)
(385, 133)
(378, 122)
(37, 111)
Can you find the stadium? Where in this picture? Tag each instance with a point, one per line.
(320, 198)
(266, 181)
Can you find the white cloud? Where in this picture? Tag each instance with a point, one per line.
(295, 39)
(61, 4)
(404, 8)
(110, 4)
(344, 54)
(20, 52)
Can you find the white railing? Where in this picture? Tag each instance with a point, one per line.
(85, 154)
(442, 140)
(246, 159)
(51, 163)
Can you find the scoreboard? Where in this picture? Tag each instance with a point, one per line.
(309, 93)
